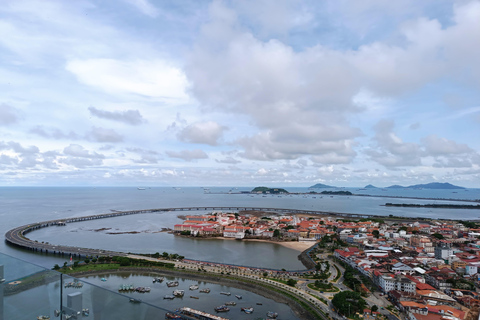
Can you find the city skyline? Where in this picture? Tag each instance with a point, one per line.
(239, 93)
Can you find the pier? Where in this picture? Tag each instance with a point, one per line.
(17, 236)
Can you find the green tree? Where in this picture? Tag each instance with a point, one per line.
(374, 308)
(438, 236)
(56, 267)
(165, 255)
(348, 303)
(265, 274)
(87, 261)
(75, 264)
(376, 233)
(276, 233)
(94, 260)
(292, 282)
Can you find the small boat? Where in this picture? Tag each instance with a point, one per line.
(206, 290)
(134, 300)
(85, 312)
(238, 296)
(272, 314)
(140, 188)
(230, 303)
(43, 317)
(225, 293)
(194, 297)
(223, 308)
(170, 315)
(103, 279)
(193, 287)
(172, 283)
(259, 303)
(178, 293)
(169, 297)
(158, 279)
(247, 310)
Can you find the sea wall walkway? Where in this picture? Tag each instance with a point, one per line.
(17, 236)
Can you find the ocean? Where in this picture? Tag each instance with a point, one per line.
(24, 205)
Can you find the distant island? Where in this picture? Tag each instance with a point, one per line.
(338, 193)
(433, 185)
(268, 190)
(320, 185)
(435, 205)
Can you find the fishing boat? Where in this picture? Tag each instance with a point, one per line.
(193, 287)
(169, 297)
(178, 293)
(158, 279)
(272, 314)
(238, 296)
(225, 293)
(206, 290)
(194, 297)
(247, 310)
(223, 308)
(172, 283)
(230, 303)
(43, 317)
(170, 315)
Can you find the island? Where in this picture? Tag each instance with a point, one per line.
(268, 190)
(320, 186)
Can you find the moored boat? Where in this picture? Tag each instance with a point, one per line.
(272, 314)
(194, 297)
(230, 303)
(178, 293)
(170, 315)
(193, 287)
(238, 296)
(169, 297)
(247, 310)
(225, 293)
(223, 308)
(172, 283)
(206, 290)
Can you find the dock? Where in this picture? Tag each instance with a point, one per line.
(199, 314)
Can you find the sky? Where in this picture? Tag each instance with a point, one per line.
(239, 93)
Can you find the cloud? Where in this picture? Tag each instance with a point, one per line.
(435, 145)
(202, 132)
(8, 115)
(132, 117)
(145, 7)
(53, 133)
(391, 151)
(147, 156)
(228, 160)
(104, 135)
(148, 78)
(188, 155)
(78, 151)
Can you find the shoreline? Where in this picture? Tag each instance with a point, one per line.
(299, 246)
(248, 286)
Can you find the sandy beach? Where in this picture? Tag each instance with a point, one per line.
(295, 245)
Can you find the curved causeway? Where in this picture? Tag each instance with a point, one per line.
(17, 236)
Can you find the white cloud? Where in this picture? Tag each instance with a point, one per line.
(202, 132)
(188, 155)
(132, 117)
(104, 135)
(8, 115)
(149, 78)
(145, 7)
